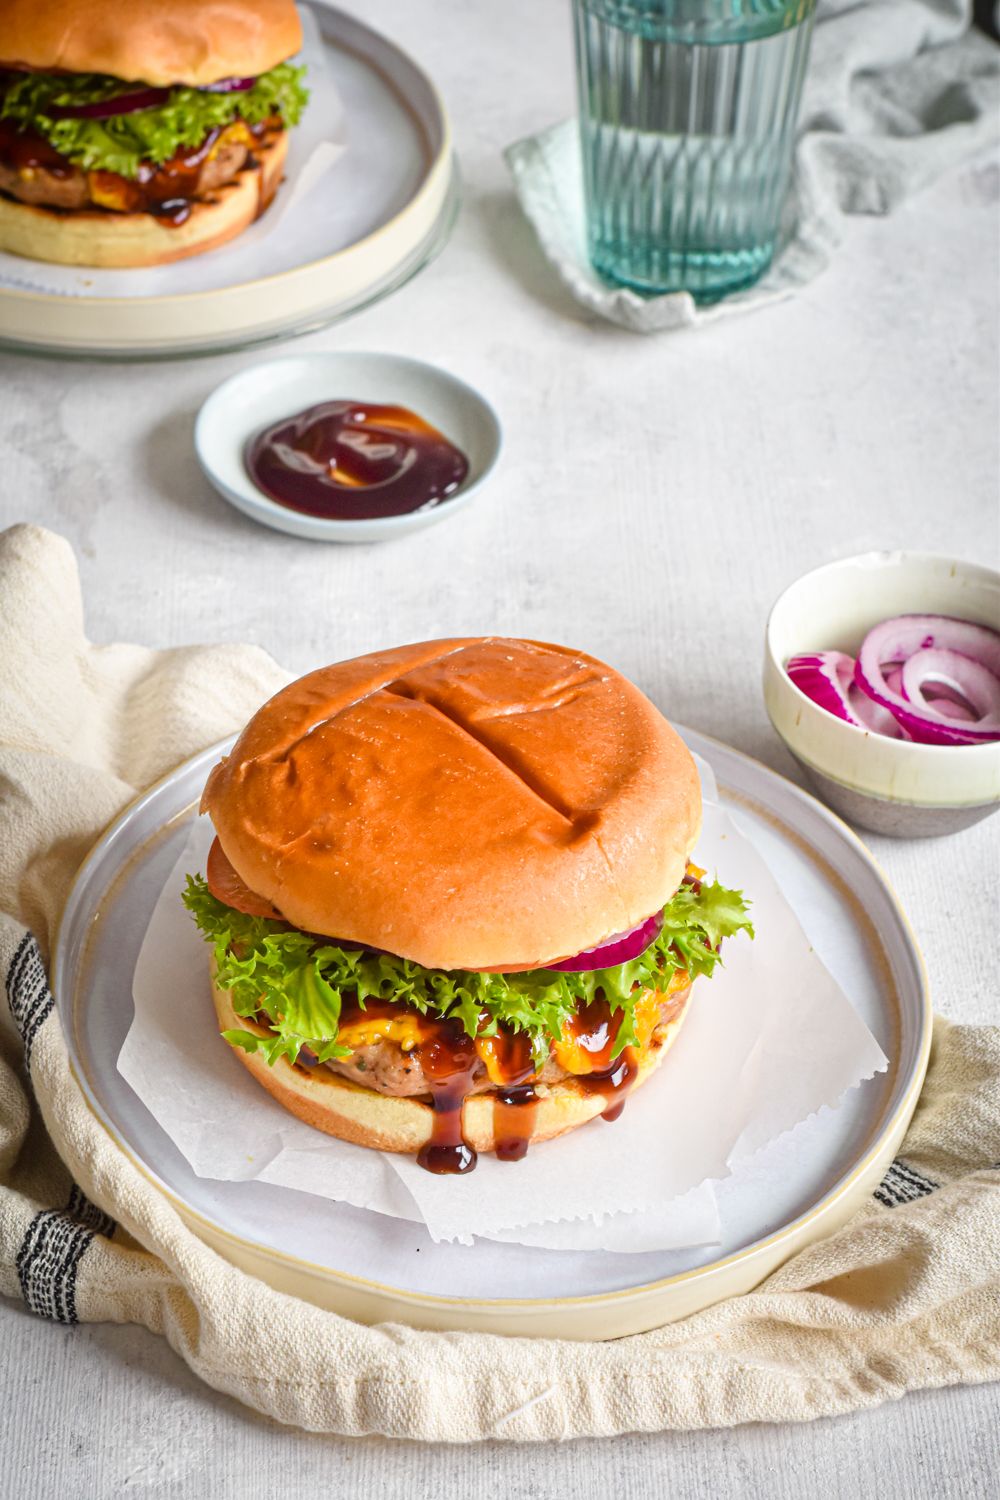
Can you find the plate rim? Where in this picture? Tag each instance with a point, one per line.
(146, 349)
(892, 1123)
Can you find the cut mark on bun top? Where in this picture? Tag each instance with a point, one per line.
(468, 803)
(508, 757)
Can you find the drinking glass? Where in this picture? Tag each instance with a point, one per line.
(688, 112)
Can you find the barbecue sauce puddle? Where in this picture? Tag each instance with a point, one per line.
(348, 460)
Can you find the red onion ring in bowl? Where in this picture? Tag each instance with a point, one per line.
(970, 690)
(972, 654)
(894, 677)
(827, 678)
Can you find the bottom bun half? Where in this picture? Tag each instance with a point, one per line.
(101, 237)
(352, 1113)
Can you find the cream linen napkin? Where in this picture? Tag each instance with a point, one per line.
(906, 1296)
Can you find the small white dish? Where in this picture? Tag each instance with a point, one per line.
(890, 786)
(265, 393)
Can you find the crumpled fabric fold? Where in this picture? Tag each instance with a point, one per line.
(905, 1297)
(897, 93)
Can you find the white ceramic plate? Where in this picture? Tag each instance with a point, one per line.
(384, 210)
(375, 1268)
(278, 388)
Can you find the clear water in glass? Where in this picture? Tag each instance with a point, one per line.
(688, 113)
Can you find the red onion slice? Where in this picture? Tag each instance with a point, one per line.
(228, 86)
(137, 99)
(827, 678)
(105, 109)
(614, 950)
(952, 705)
(873, 716)
(824, 676)
(895, 642)
(967, 689)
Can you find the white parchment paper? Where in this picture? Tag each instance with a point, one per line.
(767, 1042)
(314, 145)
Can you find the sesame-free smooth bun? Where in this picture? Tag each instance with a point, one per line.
(469, 804)
(96, 237)
(181, 42)
(386, 1122)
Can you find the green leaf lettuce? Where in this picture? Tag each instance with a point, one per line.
(301, 982)
(122, 142)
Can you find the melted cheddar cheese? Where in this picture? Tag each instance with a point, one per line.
(409, 1031)
(236, 134)
(406, 1029)
(109, 190)
(570, 1053)
(489, 1054)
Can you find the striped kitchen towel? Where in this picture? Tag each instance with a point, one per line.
(906, 1296)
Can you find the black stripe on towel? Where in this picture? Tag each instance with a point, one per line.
(51, 1251)
(903, 1184)
(28, 992)
(88, 1214)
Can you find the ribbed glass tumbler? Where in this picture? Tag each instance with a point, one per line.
(688, 112)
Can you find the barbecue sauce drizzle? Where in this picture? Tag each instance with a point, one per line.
(167, 191)
(452, 1064)
(515, 1103)
(594, 1030)
(24, 149)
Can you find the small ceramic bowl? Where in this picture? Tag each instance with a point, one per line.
(890, 786)
(246, 402)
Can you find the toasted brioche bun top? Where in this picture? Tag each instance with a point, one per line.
(478, 803)
(152, 41)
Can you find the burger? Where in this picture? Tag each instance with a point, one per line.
(450, 901)
(132, 135)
